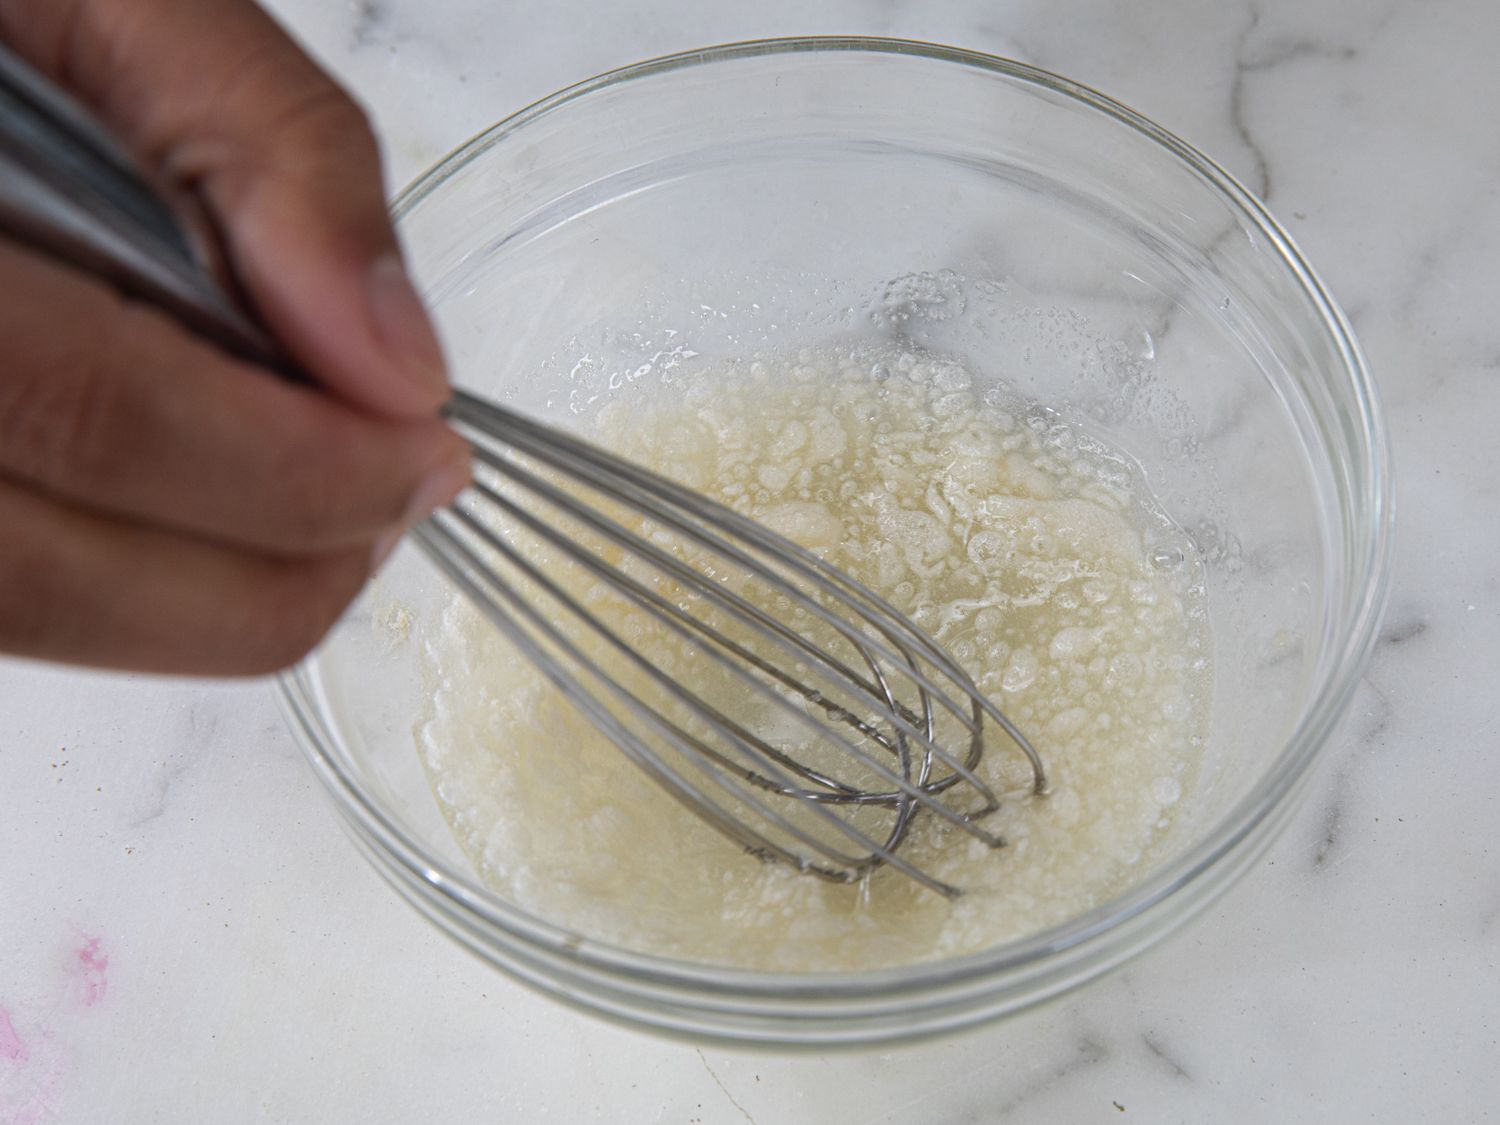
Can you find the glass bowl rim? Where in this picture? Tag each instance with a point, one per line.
(1323, 710)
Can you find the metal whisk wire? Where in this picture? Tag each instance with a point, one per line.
(719, 780)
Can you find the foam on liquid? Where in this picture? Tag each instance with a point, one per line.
(1029, 549)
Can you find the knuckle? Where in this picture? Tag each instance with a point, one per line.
(318, 119)
(278, 116)
(274, 85)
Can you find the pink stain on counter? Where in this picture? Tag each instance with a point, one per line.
(30, 1072)
(91, 969)
(25, 1090)
(12, 1048)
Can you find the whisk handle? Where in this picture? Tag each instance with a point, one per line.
(68, 190)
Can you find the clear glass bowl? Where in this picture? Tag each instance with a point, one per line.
(794, 192)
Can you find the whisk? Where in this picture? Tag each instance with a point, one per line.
(780, 700)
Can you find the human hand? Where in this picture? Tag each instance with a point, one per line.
(164, 506)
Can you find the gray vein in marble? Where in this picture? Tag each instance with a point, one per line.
(201, 727)
(1279, 53)
(1399, 630)
(1333, 823)
(1088, 1052)
(370, 24)
(723, 1089)
(156, 804)
(1168, 1058)
(382, 25)
(1227, 421)
(1373, 713)
(1370, 726)
(1250, 59)
(1237, 112)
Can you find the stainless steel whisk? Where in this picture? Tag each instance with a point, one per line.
(783, 702)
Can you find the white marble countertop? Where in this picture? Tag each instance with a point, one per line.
(186, 935)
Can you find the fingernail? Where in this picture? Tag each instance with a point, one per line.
(436, 489)
(402, 325)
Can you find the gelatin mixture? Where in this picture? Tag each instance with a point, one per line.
(1030, 549)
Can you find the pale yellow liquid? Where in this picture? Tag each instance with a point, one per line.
(1027, 548)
